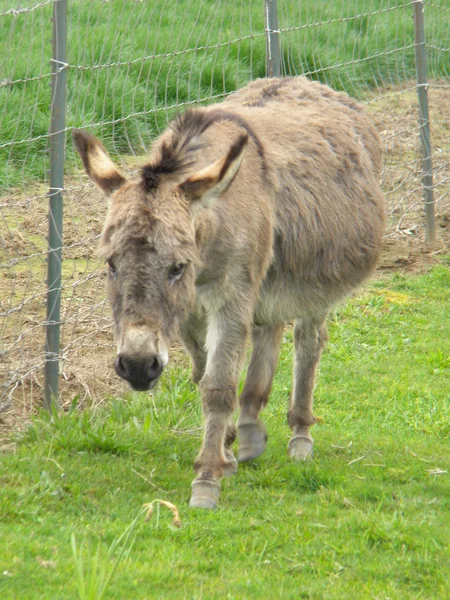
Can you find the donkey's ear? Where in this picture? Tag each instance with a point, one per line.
(205, 186)
(97, 163)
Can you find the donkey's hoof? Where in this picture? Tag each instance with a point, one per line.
(231, 465)
(252, 440)
(205, 493)
(300, 447)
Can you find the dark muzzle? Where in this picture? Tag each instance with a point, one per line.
(141, 373)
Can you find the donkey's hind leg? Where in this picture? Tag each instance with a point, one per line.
(310, 336)
(252, 433)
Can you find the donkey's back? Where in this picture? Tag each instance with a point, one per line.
(323, 158)
(301, 102)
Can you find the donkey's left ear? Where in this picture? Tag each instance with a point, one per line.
(205, 186)
(97, 163)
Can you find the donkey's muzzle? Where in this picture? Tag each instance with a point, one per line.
(141, 373)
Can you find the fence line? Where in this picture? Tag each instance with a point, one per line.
(424, 123)
(126, 87)
(273, 56)
(55, 213)
(19, 11)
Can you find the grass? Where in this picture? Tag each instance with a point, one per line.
(350, 50)
(368, 518)
(94, 574)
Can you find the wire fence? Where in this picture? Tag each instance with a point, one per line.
(130, 67)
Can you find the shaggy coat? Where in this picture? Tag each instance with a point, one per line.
(260, 210)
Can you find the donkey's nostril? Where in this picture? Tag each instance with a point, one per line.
(120, 366)
(156, 368)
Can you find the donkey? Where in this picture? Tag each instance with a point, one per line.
(251, 213)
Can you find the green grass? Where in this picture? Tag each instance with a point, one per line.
(368, 518)
(351, 50)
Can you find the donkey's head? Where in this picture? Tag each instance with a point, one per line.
(150, 245)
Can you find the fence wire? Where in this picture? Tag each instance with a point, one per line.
(131, 66)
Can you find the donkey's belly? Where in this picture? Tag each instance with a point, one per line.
(289, 300)
(277, 304)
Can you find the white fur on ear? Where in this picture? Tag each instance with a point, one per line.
(97, 162)
(204, 187)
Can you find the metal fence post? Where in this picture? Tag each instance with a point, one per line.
(273, 54)
(55, 215)
(424, 122)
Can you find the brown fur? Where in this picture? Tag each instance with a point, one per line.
(271, 202)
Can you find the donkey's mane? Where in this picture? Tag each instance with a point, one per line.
(176, 155)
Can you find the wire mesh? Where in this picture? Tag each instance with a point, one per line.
(131, 66)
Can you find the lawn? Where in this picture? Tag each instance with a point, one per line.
(367, 518)
(130, 61)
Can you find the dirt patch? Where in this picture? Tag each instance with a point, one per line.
(87, 343)
(409, 253)
(396, 116)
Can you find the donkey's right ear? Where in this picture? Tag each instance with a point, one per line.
(97, 163)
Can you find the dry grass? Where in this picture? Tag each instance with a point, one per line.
(87, 341)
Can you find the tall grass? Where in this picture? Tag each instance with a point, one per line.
(94, 571)
(127, 104)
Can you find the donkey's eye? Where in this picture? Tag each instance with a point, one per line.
(112, 268)
(176, 271)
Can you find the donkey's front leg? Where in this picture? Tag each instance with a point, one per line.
(225, 343)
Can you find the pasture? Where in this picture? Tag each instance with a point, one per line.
(368, 517)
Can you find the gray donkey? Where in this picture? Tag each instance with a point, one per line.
(263, 209)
